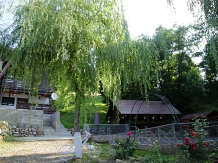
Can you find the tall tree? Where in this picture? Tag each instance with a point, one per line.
(176, 67)
(208, 66)
(78, 43)
(206, 13)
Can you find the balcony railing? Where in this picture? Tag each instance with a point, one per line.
(47, 109)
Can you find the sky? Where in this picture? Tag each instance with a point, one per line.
(144, 16)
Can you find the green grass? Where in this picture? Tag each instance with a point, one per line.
(92, 106)
(106, 155)
(9, 138)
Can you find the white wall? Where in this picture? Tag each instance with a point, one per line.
(32, 99)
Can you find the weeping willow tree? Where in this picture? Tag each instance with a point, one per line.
(78, 43)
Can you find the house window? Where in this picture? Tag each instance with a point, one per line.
(8, 101)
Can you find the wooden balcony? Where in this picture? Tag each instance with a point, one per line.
(46, 108)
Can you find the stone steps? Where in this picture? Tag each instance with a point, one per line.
(47, 121)
(50, 131)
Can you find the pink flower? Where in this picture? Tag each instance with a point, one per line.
(186, 139)
(129, 133)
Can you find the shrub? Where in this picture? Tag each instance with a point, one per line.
(155, 156)
(125, 148)
(194, 146)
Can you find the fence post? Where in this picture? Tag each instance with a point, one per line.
(216, 131)
(158, 130)
(174, 131)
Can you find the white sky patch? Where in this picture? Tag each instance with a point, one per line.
(144, 16)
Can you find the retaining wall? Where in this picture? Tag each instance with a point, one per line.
(19, 117)
(56, 120)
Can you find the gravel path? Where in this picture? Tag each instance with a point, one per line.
(31, 152)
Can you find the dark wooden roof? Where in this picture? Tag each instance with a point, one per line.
(145, 107)
(198, 115)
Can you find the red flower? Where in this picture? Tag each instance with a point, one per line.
(207, 143)
(129, 133)
(188, 143)
(193, 144)
(178, 145)
(194, 148)
(186, 139)
(194, 134)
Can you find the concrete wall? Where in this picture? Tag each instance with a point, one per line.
(22, 116)
(56, 120)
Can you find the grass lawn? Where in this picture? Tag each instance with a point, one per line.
(87, 113)
(140, 156)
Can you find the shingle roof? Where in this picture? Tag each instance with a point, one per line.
(195, 115)
(145, 107)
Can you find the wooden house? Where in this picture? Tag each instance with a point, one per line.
(211, 115)
(141, 114)
(15, 95)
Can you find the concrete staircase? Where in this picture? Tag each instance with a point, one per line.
(47, 120)
(50, 131)
(61, 132)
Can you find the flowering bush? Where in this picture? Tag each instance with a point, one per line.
(155, 155)
(194, 146)
(125, 148)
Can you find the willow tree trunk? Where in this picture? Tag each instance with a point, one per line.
(77, 134)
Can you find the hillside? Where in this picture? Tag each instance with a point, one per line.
(87, 113)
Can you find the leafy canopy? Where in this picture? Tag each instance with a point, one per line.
(64, 39)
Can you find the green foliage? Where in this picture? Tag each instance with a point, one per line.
(87, 115)
(74, 51)
(209, 65)
(177, 72)
(155, 156)
(9, 138)
(125, 148)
